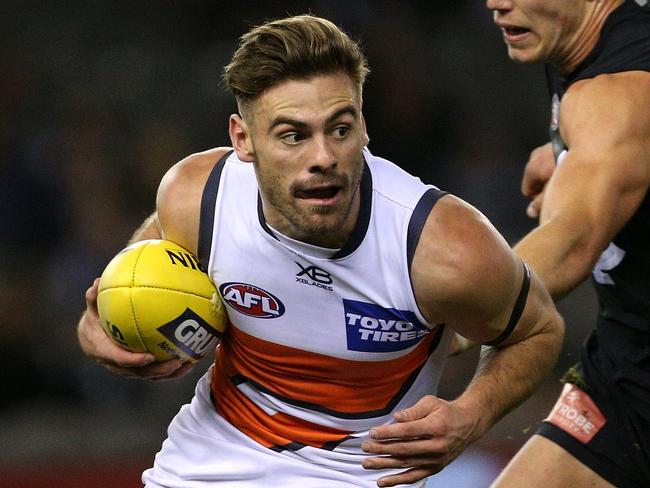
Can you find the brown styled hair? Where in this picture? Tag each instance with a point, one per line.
(294, 48)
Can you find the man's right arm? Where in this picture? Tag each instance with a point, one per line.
(96, 344)
(176, 218)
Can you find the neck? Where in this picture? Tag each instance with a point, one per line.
(587, 34)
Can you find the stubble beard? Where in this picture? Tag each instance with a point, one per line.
(319, 225)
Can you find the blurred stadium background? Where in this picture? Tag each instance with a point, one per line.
(98, 99)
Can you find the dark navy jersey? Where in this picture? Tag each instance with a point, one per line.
(617, 354)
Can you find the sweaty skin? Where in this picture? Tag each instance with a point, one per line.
(305, 138)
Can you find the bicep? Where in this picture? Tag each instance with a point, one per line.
(537, 314)
(605, 176)
(517, 309)
(464, 273)
(592, 196)
(179, 196)
(177, 210)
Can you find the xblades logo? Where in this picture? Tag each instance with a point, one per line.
(315, 273)
(314, 276)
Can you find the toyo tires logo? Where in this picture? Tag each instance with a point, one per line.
(251, 300)
(371, 328)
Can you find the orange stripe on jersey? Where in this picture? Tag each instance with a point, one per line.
(340, 387)
(277, 431)
(344, 388)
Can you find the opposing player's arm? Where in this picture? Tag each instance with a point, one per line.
(178, 203)
(601, 182)
(466, 276)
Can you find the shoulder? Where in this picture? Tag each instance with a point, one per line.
(178, 202)
(623, 43)
(192, 170)
(393, 183)
(463, 270)
(605, 122)
(618, 102)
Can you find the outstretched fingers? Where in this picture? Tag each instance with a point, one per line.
(407, 477)
(425, 438)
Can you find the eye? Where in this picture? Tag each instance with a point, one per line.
(292, 138)
(341, 131)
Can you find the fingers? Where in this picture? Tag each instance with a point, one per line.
(408, 421)
(182, 371)
(538, 171)
(421, 458)
(422, 408)
(418, 467)
(425, 438)
(91, 297)
(110, 353)
(98, 345)
(166, 370)
(405, 449)
(407, 477)
(535, 206)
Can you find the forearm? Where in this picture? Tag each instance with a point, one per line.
(561, 257)
(506, 376)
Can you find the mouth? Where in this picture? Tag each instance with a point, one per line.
(514, 33)
(323, 195)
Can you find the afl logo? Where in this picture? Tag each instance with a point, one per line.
(251, 300)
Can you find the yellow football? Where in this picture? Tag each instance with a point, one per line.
(155, 296)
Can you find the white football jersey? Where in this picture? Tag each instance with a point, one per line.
(322, 345)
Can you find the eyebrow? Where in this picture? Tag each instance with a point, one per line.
(299, 124)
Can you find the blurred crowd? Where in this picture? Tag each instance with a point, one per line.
(98, 99)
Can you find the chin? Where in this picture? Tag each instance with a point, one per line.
(525, 56)
(323, 227)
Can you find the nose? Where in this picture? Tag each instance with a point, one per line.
(323, 157)
(498, 4)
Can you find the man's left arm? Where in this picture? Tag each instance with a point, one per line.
(466, 276)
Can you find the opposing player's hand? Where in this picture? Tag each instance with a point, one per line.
(97, 345)
(538, 171)
(426, 437)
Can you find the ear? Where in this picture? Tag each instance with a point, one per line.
(240, 138)
(366, 139)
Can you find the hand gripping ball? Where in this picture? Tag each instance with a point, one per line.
(155, 296)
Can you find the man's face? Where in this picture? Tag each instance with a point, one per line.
(538, 30)
(305, 138)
